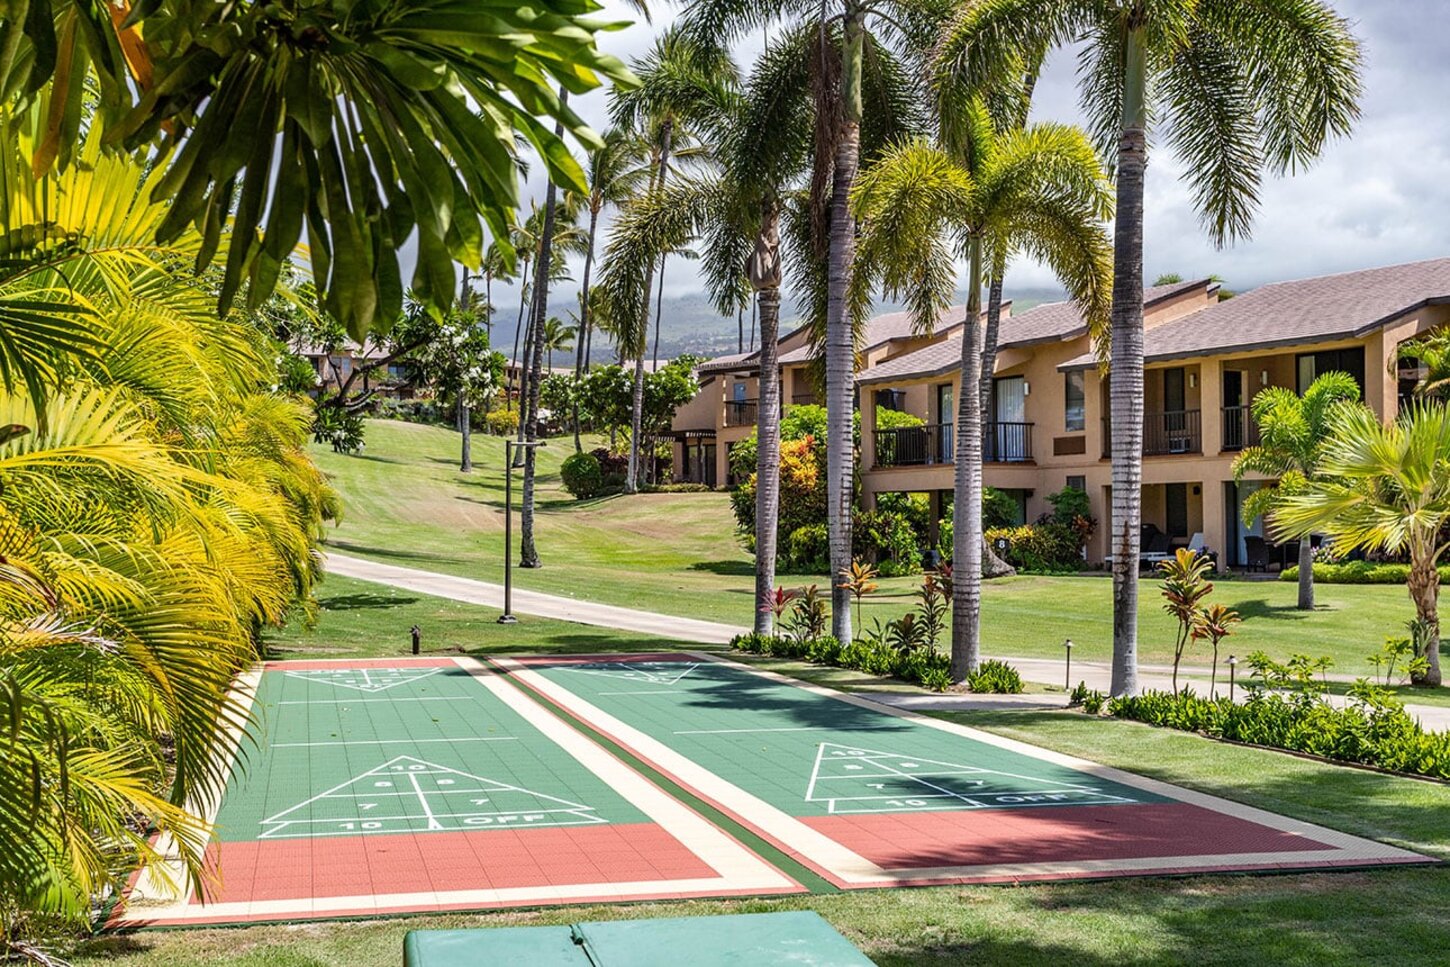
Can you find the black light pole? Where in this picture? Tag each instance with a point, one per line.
(513, 450)
(1232, 665)
(1067, 677)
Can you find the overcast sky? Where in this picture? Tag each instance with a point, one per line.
(1379, 197)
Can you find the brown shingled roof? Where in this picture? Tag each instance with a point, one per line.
(1049, 322)
(1342, 306)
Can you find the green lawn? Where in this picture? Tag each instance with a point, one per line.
(406, 503)
(1394, 916)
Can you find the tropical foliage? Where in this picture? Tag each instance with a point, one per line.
(1293, 432)
(158, 508)
(1384, 488)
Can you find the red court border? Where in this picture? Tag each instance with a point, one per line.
(1192, 807)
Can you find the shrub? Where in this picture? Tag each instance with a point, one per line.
(802, 490)
(999, 509)
(1039, 547)
(679, 488)
(1068, 504)
(929, 669)
(1091, 700)
(1373, 729)
(888, 539)
(582, 476)
(1359, 572)
(501, 422)
(808, 549)
(995, 677)
(413, 411)
(613, 468)
(340, 428)
(896, 419)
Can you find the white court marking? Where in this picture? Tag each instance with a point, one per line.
(653, 672)
(365, 679)
(854, 780)
(407, 795)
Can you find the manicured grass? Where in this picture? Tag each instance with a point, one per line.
(407, 504)
(359, 619)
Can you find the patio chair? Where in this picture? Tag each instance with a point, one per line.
(1256, 554)
(1157, 548)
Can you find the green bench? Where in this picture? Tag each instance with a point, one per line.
(737, 940)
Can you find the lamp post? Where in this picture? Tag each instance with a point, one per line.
(1232, 661)
(1067, 676)
(513, 456)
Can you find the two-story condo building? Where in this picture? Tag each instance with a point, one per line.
(1047, 424)
(724, 411)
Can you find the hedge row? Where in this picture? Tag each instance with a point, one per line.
(1359, 572)
(929, 669)
(1374, 730)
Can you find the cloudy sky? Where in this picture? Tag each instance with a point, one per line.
(1380, 197)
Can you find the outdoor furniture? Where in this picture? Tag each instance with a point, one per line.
(1256, 554)
(800, 939)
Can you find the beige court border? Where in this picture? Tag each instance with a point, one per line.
(850, 869)
(739, 871)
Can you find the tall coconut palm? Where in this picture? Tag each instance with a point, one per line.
(761, 152)
(1236, 87)
(1040, 190)
(682, 78)
(863, 97)
(1293, 436)
(1384, 487)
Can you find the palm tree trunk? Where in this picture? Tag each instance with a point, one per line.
(1306, 574)
(1126, 369)
(740, 326)
(992, 565)
(659, 311)
(840, 337)
(967, 501)
(528, 552)
(465, 429)
(1424, 588)
(581, 358)
(636, 415)
(767, 457)
(524, 293)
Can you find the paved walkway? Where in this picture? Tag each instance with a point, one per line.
(1096, 674)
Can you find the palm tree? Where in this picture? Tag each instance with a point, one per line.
(1293, 434)
(1386, 488)
(853, 53)
(408, 130)
(558, 337)
(682, 78)
(1236, 88)
(1041, 190)
(761, 151)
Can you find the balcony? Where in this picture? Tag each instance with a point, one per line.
(1165, 432)
(1239, 428)
(931, 444)
(805, 398)
(740, 412)
(1006, 442)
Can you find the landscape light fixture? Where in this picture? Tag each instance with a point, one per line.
(1232, 661)
(513, 453)
(1067, 676)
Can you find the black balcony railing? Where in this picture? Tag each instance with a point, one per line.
(934, 443)
(914, 446)
(1239, 428)
(740, 412)
(1164, 432)
(1006, 442)
(803, 399)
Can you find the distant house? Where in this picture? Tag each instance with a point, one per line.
(334, 367)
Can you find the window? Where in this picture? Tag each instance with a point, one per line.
(739, 392)
(1176, 509)
(1077, 483)
(1308, 366)
(891, 399)
(1075, 401)
(946, 412)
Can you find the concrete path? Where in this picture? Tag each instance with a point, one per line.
(1097, 674)
(533, 602)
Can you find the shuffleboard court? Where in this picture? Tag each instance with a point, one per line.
(406, 785)
(869, 796)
